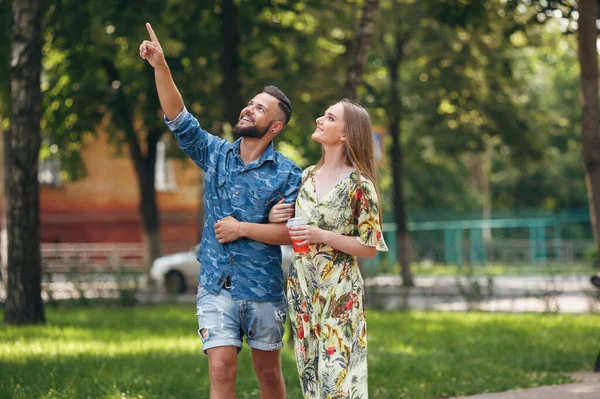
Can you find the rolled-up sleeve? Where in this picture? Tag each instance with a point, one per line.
(196, 142)
(175, 123)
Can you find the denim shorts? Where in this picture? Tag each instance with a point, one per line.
(223, 321)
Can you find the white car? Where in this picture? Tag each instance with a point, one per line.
(179, 271)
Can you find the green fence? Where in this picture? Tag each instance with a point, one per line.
(514, 237)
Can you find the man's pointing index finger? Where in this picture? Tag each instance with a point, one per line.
(151, 33)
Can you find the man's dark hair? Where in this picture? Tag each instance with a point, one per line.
(284, 103)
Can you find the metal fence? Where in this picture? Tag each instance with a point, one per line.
(83, 271)
(507, 252)
(527, 237)
(94, 258)
(98, 257)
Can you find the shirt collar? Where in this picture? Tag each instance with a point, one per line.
(268, 155)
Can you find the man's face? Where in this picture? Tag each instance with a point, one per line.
(256, 118)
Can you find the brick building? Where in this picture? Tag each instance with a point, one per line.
(103, 207)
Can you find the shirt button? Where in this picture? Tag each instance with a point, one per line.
(236, 193)
(232, 259)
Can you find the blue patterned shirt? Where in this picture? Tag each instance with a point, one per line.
(247, 193)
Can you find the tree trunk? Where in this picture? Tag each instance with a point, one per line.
(478, 165)
(3, 232)
(402, 233)
(144, 166)
(360, 48)
(23, 298)
(230, 62)
(590, 140)
(395, 115)
(148, 205)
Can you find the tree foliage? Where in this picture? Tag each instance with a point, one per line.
(475, 81)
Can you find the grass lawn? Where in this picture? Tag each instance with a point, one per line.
(504, 270)
(154, 352)
(376, 267)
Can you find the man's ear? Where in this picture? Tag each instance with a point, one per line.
(276, 127)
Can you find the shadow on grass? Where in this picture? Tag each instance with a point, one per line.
(451, 354)
(150, 375)
(154, 352)
(110, 324)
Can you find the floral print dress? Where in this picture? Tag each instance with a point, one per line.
(325, 290)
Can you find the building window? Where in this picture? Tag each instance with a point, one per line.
(49, 171)
(164, 171)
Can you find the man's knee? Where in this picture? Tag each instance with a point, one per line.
(269, 374)
(222, 372)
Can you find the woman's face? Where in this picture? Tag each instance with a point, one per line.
(330, 127)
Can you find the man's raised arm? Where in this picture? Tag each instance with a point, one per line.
(168, 94)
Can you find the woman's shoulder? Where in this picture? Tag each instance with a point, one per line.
(306, 171)
(363, 181)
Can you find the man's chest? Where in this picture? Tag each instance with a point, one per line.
(248, 192)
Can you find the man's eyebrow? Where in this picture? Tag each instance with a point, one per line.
(259, 104)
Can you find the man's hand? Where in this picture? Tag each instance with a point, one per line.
(227, 230)
(151, 50)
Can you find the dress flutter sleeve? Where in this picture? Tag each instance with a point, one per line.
(366, 211)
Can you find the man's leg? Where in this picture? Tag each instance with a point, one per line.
(219, 330)
(222, 369)
(263, 325)
(267, 366)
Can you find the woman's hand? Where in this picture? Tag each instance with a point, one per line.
(307, 234)
(281, 212)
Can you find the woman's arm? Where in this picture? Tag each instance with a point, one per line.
(347, 244)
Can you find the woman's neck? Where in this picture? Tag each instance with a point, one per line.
(335, 159)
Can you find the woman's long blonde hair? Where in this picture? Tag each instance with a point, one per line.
(360, 152)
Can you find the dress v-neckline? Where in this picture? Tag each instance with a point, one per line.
(328, 193)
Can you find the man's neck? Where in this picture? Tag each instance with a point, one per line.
(251, 149)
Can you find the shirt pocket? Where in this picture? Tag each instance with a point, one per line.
(262, 200)
(221, 191)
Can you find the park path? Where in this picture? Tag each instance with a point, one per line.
(587, 387)
(558, 294)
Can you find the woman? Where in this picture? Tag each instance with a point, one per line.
(325, 291)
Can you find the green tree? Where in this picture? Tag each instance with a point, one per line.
(360, 48)
(580, 17)
(5, 23)
(394, 55)
(548, 72)
(95, 73)
(588, 61)
(22, 142)
(444, 81)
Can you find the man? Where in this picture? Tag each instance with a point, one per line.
(240, 288)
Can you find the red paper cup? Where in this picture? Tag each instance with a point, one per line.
(298, 221)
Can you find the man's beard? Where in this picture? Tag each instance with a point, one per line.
(255, 132)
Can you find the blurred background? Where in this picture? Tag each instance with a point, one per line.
(476, 107)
